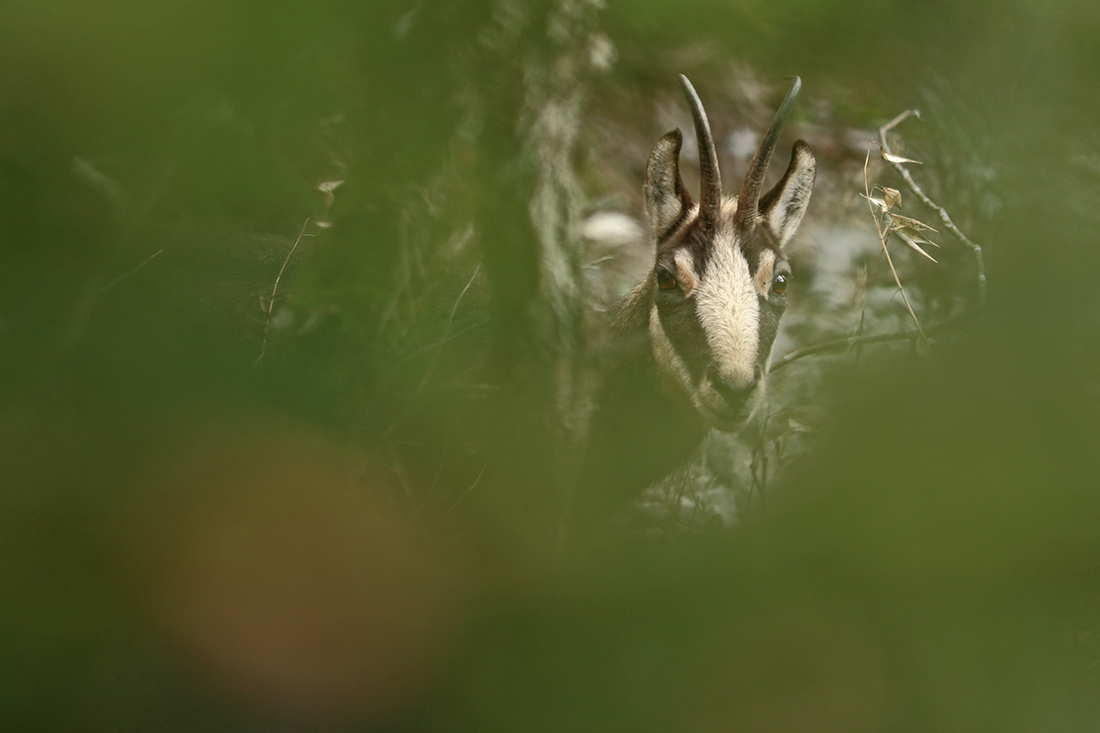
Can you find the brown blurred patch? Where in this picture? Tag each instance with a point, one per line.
(284, 572)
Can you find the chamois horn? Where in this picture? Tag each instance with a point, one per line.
(710, 185)
(749, 200)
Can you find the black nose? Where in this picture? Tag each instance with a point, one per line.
(733, 394)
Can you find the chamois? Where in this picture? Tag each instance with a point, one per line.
(690, 345)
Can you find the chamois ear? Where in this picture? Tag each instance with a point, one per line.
(666, 201)
(782, 207)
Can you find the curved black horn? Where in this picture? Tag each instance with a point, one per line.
(749, 199)
(710, 185)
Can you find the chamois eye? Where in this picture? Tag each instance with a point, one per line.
(665, 279)
(779, 285)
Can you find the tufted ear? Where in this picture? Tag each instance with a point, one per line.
(782, 208)
(666, 201)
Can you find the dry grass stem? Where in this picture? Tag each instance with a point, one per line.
(130, 273)
(447, 329)
(882, 236)
(845, 343)
(268, 304)
(898, 164)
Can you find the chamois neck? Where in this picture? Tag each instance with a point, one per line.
(641, 431)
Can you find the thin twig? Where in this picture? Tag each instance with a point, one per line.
(447, 328)
(269, 307)
(944, 216)
(122, 277)
(410, 495)
(469, 490)
(845, 343)
(442, 461)
(839, 344)
(595, 264)
(697, 507)
(439, 344)
(885, 250)
(758, 467)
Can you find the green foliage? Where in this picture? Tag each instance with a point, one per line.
(359, 530)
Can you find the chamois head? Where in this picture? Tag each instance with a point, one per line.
(719, 282)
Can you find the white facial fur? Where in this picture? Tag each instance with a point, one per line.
(726, 297)
(726, 301)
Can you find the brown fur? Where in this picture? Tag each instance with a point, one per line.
(666, 383)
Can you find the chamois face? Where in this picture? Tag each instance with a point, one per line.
(720, 277)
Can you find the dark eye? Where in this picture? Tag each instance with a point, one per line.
(779, 285)
(665, 279)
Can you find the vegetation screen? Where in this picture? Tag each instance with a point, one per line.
(390, 365)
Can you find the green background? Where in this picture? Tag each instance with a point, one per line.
(187, 542)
